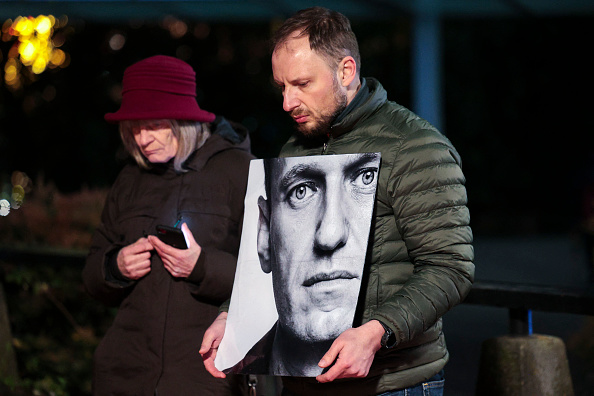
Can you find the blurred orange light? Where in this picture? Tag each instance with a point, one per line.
(24, 26)
(43, 25)
(35, 46)
(27, 50)
(58, 57)
(39, 65)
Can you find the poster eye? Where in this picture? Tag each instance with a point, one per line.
(367, 177)
(300, 192)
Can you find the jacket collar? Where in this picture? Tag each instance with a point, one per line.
(225, 135)
(363, 105)
(370, 97)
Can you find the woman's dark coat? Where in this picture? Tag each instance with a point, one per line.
(154, 340)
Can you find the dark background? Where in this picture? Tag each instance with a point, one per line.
(517, 106)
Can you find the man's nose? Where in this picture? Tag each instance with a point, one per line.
(332, 230)
(290, 100)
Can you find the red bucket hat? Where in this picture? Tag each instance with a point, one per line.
(159, 87)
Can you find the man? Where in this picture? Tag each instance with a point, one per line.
(420, 264)
(313, 232)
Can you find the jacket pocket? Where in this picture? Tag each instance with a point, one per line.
(134, 225)
(212, 226)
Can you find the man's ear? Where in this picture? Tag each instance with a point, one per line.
(347, 71)
(264, 235)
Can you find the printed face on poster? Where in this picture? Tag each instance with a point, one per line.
(301, 259)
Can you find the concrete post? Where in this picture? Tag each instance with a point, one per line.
(532, 365)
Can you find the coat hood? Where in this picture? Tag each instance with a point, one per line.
(225, 135)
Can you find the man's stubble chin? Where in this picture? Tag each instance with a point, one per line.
(320, 130)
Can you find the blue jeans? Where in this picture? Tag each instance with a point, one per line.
(432, 387)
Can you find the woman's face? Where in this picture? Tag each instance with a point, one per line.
(156, 140)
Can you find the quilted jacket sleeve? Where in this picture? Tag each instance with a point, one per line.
(428, 197)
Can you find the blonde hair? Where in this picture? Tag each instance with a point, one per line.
(191, 135)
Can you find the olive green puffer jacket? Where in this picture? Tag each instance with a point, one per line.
(420, 264)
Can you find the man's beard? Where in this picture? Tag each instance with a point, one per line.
(322, 127)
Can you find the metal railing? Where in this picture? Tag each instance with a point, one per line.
(521, 299)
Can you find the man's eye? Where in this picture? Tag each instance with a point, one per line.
(301, 193)
(366, 177)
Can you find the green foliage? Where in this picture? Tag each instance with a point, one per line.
(50, 218)
(55, 326)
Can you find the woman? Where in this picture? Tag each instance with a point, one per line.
(190, 173)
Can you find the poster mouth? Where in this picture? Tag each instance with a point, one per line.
(328, 276)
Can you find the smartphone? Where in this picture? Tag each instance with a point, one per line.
(172, 236)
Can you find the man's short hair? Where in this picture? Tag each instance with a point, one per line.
(329, 32)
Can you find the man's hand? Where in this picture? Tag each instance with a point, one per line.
(179, 262)
(134, 261)
(210, 344)
(353, 351)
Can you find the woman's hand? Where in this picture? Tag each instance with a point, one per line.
(134, 261)
(179, 262)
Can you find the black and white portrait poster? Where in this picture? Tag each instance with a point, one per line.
(298, 278)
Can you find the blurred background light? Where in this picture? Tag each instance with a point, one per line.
(34, 47)
(117, 41)
(177, 28)
(12, 195)
(4, 207)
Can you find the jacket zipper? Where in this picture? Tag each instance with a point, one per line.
(325, 146)
(169, 283)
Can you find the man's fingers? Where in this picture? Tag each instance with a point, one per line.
(330, 356)
(208, 344)
(208, 350)
(343, 369)
(329, 375)
(214, 334)
(327, 361)
(351, 354)
(210, 367)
